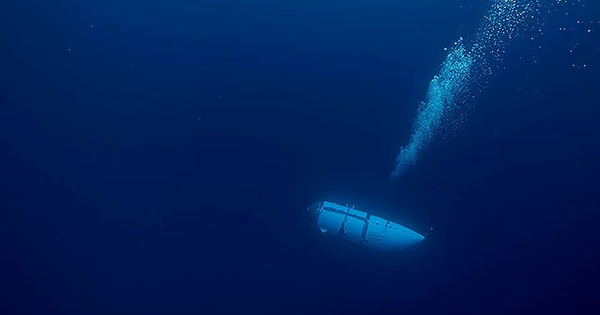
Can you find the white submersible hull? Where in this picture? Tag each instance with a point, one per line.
(362, 228)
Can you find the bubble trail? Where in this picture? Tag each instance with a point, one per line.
(443, 89)
(459, 72)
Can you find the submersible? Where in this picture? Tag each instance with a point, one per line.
(348, 223)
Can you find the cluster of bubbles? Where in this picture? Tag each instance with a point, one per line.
(444, 88)
(464, 73)
(500, 26)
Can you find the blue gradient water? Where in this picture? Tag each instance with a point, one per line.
(157, 157)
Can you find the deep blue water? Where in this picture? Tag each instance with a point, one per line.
(158, 158)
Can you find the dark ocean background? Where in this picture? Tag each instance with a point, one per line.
(158, 158)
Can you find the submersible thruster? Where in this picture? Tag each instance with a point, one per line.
(348, 223)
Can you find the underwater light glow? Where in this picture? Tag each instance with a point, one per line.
(360, 227)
